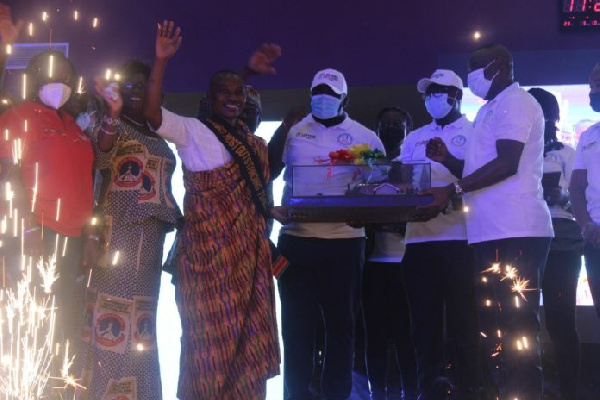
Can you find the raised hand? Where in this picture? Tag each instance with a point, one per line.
(295, 115)
(111, 95)
(436, 150)
(168, 39)
(8, 31)
(260, 62)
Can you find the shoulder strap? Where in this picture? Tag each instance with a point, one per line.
(247, 160)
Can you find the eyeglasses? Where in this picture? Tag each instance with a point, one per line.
(130, 86)
(437, 92)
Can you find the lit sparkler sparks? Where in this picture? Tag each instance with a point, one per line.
(497, 350)
(45, 16)
(48, 273)
(80, 85)
(27, 323)
(495, 269)
(76, 15)
(521, 285)
(95, 22)
(511, 273)
(24, 94)
(108, 74)
(57, 209)
(67, 379)
(9, 49)
(30, 29)
(50, 66)
(115, 258)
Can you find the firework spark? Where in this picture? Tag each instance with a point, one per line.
(511, 273)
(521, 285)
(495, 269)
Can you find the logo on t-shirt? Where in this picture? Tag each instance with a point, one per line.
(110, 330)
(306, 135)
(458, 140)
(129, 172)
(345, 139)
(148, 189)
(144, 332)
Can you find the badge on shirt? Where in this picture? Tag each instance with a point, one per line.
(345, 139)
(458, 140)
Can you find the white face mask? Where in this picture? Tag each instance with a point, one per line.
(478, 83)
(437, 105)
(84, 120)
(54, 95)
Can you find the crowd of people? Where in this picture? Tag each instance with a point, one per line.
(449, 301)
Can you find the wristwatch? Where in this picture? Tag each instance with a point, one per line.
(457, 188)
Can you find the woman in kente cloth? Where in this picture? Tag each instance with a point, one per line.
(136, 211)
(223, 269)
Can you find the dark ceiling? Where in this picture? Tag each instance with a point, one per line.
(375, 42)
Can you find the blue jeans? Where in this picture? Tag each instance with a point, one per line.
(508, 321)
(323, 278)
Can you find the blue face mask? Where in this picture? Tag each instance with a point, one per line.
(437, 105)
(324, 106)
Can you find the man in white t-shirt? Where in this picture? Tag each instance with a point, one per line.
(508, 222)
(326, 259)
(585, 191)
(438, 264)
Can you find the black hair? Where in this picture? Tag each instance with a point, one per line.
(548, 102)
(222, 74)
(133, 67)
(36, 68)
(551, 111)
(405, 114)
(499, 51)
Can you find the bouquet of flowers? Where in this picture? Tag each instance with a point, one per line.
(357, 154)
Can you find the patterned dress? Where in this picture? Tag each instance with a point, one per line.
(121, 357)
(224, 288)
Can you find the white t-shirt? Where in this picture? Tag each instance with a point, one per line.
(514, 207)
(197, 146)
(560, 161)
(449, 226)
(389, 247)
(587, 157)
(309, 143)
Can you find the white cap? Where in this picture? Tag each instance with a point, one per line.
(444, 77)
(332, 78)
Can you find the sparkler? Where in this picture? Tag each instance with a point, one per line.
(50, 66)
(95, 22)
(27, 324)
(24, 92)
(45, 16)
(521, 285)
(511, 273)
(57, 209)
(80, 85)
(494, 269)
(30, 29)
(9, 49)
(115, 259)
(76, 15)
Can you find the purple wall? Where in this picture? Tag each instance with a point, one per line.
(376, 42)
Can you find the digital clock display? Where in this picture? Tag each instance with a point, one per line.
(580, 14)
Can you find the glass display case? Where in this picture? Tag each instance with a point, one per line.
(372, 193)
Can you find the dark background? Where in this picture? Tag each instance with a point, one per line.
(382, 46)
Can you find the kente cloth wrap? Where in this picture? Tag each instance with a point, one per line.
(224, 287)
